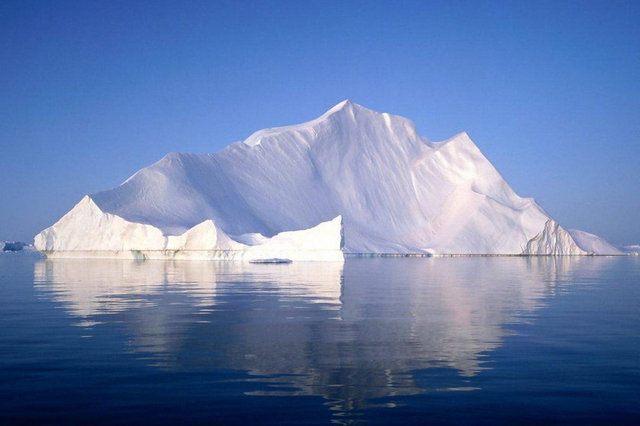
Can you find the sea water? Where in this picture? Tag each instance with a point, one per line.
(378, 340)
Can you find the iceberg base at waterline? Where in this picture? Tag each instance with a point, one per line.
(88, 232)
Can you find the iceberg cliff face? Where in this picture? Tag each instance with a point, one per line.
(553, 240)
(395, 191)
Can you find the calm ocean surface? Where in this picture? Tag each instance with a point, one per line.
(383, 341)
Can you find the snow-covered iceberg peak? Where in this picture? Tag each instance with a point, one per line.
(352, 120)
(395, 191)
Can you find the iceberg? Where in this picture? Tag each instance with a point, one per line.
(352, 181)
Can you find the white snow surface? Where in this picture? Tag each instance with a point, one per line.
(593, 243)
(396, 192)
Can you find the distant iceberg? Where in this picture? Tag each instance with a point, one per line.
(351, 181)
(633, 249)
(14, 246)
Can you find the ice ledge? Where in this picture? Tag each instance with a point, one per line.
(553, 240)
(593, 243)
(88, 232)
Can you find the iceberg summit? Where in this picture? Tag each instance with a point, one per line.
(352, 181)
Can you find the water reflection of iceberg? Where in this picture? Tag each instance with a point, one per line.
(92, 287)
(349, 333)
(89, 287)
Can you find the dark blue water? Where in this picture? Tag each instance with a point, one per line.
(382, 341)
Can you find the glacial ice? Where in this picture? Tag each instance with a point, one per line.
(86, 231)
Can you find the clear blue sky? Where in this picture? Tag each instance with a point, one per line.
(93, 91)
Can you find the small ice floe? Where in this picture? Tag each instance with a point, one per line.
(272, 260)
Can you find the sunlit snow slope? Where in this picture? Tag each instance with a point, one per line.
(396, 191)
